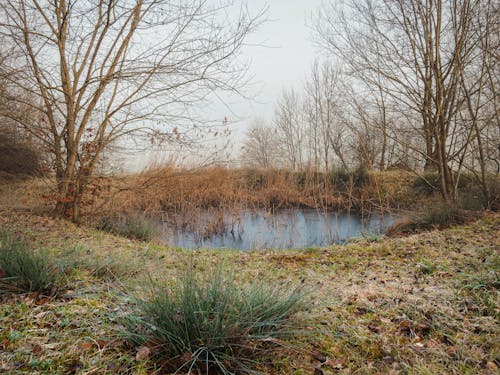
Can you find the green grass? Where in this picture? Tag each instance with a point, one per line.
(23, 269)
(133, 227)
(422, 304)
(208, 322)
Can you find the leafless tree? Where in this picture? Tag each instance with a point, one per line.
(324, 113)
(414, 52)
(103, 70)
(260, 146)
(289, 124)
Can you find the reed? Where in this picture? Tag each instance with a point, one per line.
(172, 189)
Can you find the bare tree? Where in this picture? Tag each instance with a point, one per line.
(103, 70)
(415, 51)
(260, 146)
(289, 124)
(323, 107)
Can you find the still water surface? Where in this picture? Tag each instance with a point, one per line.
(282, 229)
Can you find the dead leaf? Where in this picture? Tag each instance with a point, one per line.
(433, 343)
(336, 364)
(491, 365)
(186, 357)
(452, 350)
(360, 310)
(85, 345)
(116, 343)
(37, 348)
(75, 366)
(143, 353)
(375, 327)
(101, 343)
(318, 371)
(4, 343)
(317, 355)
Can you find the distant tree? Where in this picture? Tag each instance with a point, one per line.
(102, 70)
(260, 146)
(326, 128)
(415, 53)
(289, 123)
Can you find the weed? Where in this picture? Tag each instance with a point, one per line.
(207, 322)
(426, 267)
(440, 215)
(481, 292)
(107, 267)
(24, 269)
(134, 227)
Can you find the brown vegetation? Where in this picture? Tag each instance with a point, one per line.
(167, 189)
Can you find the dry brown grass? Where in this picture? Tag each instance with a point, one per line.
(169, 189)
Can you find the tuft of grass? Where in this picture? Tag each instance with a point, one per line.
(206, 322)
(138, 228)
(23, 269)
(103, 266)
(440, 215)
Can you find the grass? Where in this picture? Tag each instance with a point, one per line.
(209, 323)
(170, 189)
(426, 303)
(23, 269)
(132, 226)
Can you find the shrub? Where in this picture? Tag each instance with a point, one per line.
(24, 269)
(427, 183)
(207, 322)
(440, 215)
(18, 156)
(134, 227)
(344, 178)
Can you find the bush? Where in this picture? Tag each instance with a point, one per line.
(440, 215)
(207, 322)
(19, 157)
(133, 227)
(427, 183)
(24, 269)
(357, 178)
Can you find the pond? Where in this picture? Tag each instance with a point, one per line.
(259, 229)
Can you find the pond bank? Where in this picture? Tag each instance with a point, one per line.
(426, 303)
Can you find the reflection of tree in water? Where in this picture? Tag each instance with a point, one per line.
(259, 229)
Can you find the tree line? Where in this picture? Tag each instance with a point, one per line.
(409, 84)
(403, 84)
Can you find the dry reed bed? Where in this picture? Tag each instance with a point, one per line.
(168, 189)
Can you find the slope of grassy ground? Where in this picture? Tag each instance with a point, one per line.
(423, 304)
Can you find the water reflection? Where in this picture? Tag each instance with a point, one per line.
(283, 229)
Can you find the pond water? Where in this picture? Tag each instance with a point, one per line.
(258, 229)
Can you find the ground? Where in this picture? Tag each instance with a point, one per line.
(422, 304)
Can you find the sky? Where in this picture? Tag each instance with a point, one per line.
(280, 54)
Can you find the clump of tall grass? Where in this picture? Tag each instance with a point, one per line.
(206, 322)
(440, 215)
(134, 227)
(23, 269)
(436, 216)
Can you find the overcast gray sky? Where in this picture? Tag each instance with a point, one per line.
(281, 58)
(280, 54)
